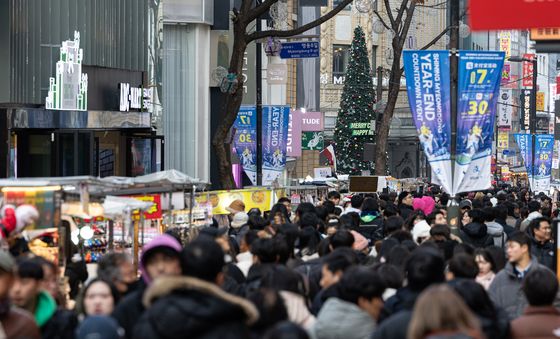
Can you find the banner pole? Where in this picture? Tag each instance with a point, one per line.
(453, 208)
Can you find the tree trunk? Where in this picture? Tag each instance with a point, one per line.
(383, 131)
(221, 144)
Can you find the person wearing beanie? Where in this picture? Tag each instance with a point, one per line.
(193, 305)
(160, 257)
(405, 204)
(99, 327)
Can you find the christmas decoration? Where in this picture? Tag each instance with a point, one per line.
(353, 125)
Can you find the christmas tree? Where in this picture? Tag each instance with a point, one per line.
(356, 111)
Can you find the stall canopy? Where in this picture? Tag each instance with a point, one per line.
(118, 206)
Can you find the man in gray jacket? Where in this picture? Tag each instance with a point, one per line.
(505, 291)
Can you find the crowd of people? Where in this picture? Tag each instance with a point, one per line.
(352, 266)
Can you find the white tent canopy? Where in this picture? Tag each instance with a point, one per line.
(118, 206)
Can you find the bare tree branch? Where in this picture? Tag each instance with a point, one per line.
(283, 34)
(390, 14)
(402, 10)
(381, 19)
(246, 6)
(436, 39)
(259, 10)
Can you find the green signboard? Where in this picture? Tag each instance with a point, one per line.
(361, 128)
(312, 141)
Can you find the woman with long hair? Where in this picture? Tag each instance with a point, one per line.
(486, 267)
(439, 311)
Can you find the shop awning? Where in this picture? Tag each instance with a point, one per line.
(518, 169)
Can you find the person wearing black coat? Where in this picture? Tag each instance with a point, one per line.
(475, 232)
(405, 204)
(542, 247)
(193, 305)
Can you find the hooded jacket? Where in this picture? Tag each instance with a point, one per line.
(505, 291)
(341, 319)
(497, 232)
(476, 234)
(54, 323)
(187, 307)
(129, 310)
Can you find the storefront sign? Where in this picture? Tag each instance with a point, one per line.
(540, 34)
(505, 108)
(262, 199)
(505, 43)
(528, 71)
(322, 172)
(503, 139)
(506, 74)
(513, 14)
(312, 121)
(293, 143)
(312, 141)
(68, 90)
(540, 101)
(134, 97)
(525, 110)
(361, 128)
(154, 212)
(44, 201)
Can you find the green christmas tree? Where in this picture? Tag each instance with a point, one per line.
(356, 111)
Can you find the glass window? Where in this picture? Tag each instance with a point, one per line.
(337, 2)
(341, 54)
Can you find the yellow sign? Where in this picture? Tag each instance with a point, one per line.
(545, 34)
(260, 198)
(503, 139)
(540, 101)
(505, 43)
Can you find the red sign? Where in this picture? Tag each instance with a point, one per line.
(558, 84)
(488, 15)
(528, 71)
(154, 212)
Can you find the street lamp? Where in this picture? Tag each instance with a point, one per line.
(533, 111)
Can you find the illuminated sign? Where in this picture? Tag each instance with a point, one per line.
(68, 89)
(134, 97)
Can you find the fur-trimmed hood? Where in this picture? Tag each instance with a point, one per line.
(166, 285)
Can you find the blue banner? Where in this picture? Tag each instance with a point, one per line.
(524, 143)
(428, 88)
(480, 73)
(275, 121)
(245, 140)
(544, 146)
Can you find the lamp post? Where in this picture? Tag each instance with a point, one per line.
(533, 111)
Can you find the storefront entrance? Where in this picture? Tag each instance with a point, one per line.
(50, 153)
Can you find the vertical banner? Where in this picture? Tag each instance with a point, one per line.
(293, 143)
(505, 43)
(540, 101)
(480, 74)
(245, 140)
(525, 116)
(528, 71)
(524, 143)
(506, 75)
(274, 136)
(544, 145)
(428, 88)
(505, 108)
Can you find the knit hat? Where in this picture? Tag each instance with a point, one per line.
(421, 230)
(96, 327)
(161, 241)
(429, 204)
(239, 219)
(236, 206)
